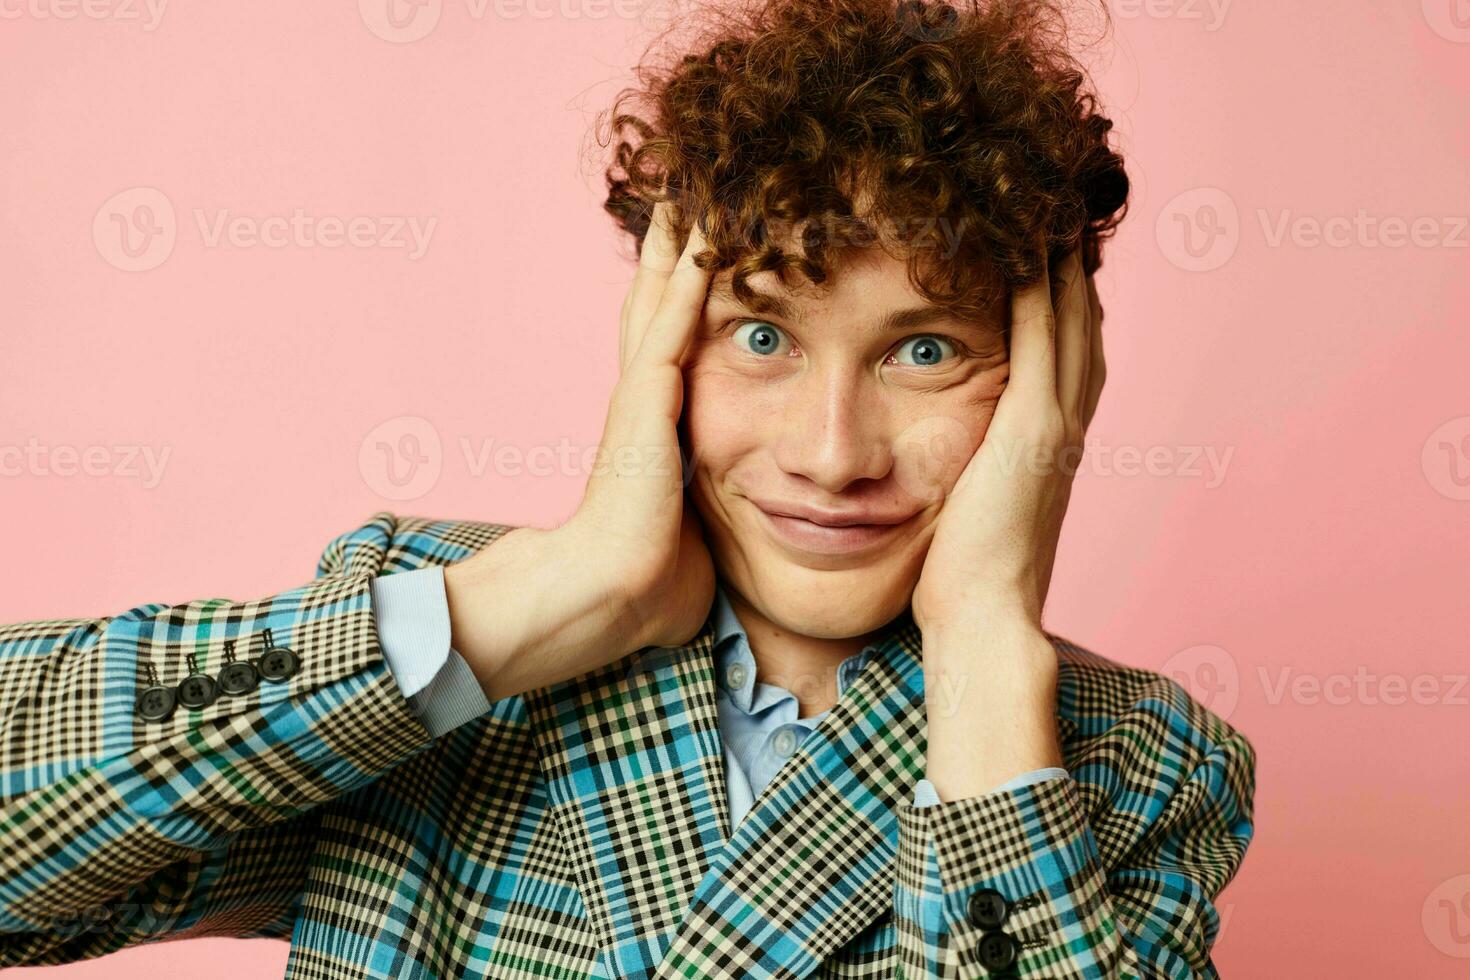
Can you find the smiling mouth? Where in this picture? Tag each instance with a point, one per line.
(822, 539)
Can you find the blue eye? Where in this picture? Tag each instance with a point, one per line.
(926, 351)
(759, 337)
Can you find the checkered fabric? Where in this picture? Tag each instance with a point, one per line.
(581, 829)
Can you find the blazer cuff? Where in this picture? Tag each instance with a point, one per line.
(987, 881)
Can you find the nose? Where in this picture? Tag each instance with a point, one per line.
(832, 431)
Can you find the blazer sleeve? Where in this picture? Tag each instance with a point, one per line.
(1111, 871)
(119, 829)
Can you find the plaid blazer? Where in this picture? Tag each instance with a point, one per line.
(582, 829)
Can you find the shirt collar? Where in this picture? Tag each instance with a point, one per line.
(732, 649)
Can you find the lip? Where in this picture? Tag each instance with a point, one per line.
(831, 518)
(830, 533)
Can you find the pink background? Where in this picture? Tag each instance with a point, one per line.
(1329, 379)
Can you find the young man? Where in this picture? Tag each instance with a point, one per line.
(776, 701)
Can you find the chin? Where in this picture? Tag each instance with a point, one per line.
(828, 603)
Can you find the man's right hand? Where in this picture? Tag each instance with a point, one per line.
(630, 568)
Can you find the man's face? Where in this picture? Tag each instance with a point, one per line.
(816, 408)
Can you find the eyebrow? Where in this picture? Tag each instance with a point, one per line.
(906, 319)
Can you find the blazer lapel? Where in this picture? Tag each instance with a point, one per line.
(812, 863)
(634, 769)
(635, 775)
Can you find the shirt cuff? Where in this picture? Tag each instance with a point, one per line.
(925, 794)
(453, 698)
(412, 614)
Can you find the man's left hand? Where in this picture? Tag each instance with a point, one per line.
(990, 671)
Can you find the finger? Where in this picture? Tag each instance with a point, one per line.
(1033, 339)
(1097, 370)
(680, 308)
(1073, 312)
(655, 264)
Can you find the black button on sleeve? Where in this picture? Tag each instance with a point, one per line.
(988, 908)
(198, 691)
(997, 951)
(238, 678)
(278, 663)
(156, 703)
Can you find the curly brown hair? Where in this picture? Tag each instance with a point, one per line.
(965, 136)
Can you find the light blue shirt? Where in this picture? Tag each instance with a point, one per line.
(758, 721)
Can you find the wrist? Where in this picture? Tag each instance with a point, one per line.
(531, 609)
(997, 682)
(990, 685)
(957, 771)
(484, 635)
(970, 756)
(980, 606)
(992, 638)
